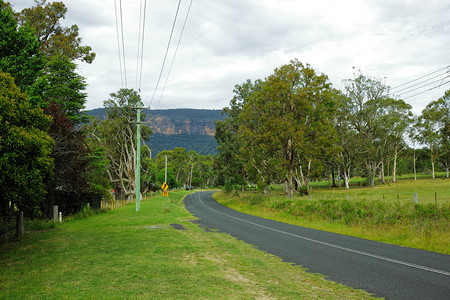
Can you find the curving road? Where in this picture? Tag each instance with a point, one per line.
(385, 270)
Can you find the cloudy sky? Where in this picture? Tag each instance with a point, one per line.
(228, 41)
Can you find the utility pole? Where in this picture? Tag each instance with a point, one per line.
(138, 160)
(137, 174)
(165, 178)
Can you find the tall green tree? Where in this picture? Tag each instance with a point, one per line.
(289, 122)
(55, 39)
(19, 50)
(117, 135)
(25, 147)
(396, 119)
(61, 84)
(365, 107)
(228, 163)
(433, 128)
(68, 185)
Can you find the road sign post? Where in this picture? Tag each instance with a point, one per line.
(165, 187)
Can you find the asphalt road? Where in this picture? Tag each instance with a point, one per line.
(385, 270)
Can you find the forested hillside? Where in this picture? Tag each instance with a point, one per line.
(192, 129)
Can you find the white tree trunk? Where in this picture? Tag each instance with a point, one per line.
(394, 169)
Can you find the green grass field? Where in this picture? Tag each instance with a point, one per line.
(128, 254)
(385, 213)
(428, 191)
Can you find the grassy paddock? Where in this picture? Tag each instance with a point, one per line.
(362, 212)
(360, 181)
(126, 254)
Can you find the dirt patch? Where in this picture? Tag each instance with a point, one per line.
(178, 226)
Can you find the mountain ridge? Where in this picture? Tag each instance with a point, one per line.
(189, 128)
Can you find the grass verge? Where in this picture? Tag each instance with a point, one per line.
(128, 254)
(363, 213)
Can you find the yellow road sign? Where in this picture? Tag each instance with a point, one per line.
(164, 187)
(165, 194)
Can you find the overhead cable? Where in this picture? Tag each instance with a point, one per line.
(175, 54)
(435, 87)
(167, 50)
(395, 87)
(426, 85)
(123, 45)
(118, 44)
(140, 48)
(421, 82)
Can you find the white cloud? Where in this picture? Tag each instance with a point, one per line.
(226, 42)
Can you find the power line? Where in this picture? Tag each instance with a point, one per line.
(167, 50)
(435, 87)
(123, 44)
(175, 54)
(426, 85)
(118, 43)
(420, 82)
(140, 48)
(395, 87)
(142, 44)
(139, 44)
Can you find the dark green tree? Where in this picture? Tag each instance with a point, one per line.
(68, 186)
(25, 148)
(433, 129)
(228, 164)
(288, 123)
(62, 85)
(55, 39)
(19, 50)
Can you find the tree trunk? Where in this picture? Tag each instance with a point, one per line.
(432, 160)
(382, 172)
(332, 176)
(432, 167)
(308, 176)
(394, 168)
(371, 171)
(290, 186)
(339, 178)
(346, 181)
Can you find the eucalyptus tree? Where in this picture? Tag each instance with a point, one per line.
(433, 129)
(55, 39)
(396, 118)
(349, 144)
(117, 135)
(228, 162)
(59, 83)
(19, 49)
(288, 123)
(365, 107)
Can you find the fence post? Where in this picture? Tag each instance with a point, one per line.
(416, 198)
(55, 213)
(20, 229)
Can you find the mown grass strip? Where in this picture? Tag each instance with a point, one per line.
(363, 214)
(124, 254)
